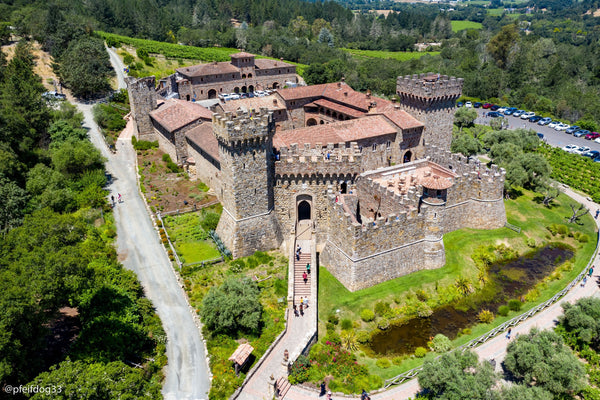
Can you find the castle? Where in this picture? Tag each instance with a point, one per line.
(374, 177)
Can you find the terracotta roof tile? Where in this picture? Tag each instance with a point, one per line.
(174, 114)
(255, 103)
(209, 69)
(265, 63)
(242, 54)
(203, 137)
(338, 107)
(343, 131)
(436, 182)
(302, 92)
(403, 119)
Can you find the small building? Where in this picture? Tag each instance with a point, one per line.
(240, 356)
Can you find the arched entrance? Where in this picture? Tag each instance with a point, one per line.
(275, 85)
(303, 210)
(212, 94)
(244, 89)
(407, 157)
(236, 90)
(311, 122)
(251, 89)
(343, 188)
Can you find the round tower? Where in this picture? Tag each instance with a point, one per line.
(245, 142)
(431, 99)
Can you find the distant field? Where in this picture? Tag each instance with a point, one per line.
(462, 25)
(392, 55)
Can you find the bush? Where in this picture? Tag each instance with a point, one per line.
(515, 304)
(503, 310)
(420, 352)
(299, 371)
(346, 324)
(334, 319)
(485, 316)
(398, 360)
(531, 242)
(383, 323)
(383, 363)
(441, 343)
(363, 336)
(143, 144)
(367, 315)
(209, 221)
(382, 308)
(583, 238)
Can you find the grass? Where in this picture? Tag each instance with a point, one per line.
(271, 269)
(524, 211)
(191, 242)
(391, 55)
(462, 25)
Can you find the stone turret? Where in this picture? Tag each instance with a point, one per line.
(245, 147)
(431, 98)
(142, 98)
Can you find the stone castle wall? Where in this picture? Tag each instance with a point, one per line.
(245, 236)
(205, 168)
(432, 102)
(142, 97)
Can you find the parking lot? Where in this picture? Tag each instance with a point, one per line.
(553, 138)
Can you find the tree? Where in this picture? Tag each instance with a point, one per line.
(464, 117)
(522, 392)
(325, 37)
(578, 212)
(233, 306)
(580, 322)
(504, 45)
(14, 200)
(457, 375)
(85, 67)
(540, 358)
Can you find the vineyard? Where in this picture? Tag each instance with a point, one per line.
(391, 55)
(579, 172)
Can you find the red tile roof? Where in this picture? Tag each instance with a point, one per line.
(302, 92)
(174, 114)
(255, 103)
(202, 135)
(403, 119)
(265, 63)
(343, 131)
(213, 68)
(242, 54)
(337, 107)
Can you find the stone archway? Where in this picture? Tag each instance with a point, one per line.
(212, 94)
(407, 157)
(251, 88)
(311, 122)
(275, 85)
(304, 210)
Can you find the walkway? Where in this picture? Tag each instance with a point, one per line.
(299, 329)
(496, 347)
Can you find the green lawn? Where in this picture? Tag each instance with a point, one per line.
(392, 55)
(191, 242)
(524, 211)
(462, 25)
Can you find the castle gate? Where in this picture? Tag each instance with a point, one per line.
(304, 207)
(212, 94)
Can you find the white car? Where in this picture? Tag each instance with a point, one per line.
(581, 150)
(597, 140)
(527, 115)
(561, 127)
(468, 104)
(501, 110)
(570, 148)
(553, 124)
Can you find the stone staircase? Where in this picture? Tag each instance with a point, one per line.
(283, 385)
(301, 289)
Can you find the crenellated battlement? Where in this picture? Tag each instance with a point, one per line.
(389, 200)
(429, 86)
(234, 129)
(319, 160)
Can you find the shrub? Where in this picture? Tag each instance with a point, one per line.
(420, 352)
(531, 242)
(562, 229)
(485, 316)
(300, 370)
(382, 308)
(329, 327)
(583, 238)
(363, 336)
(383, 323)
(503, 310)
(515, 304)
(383, 363)
(209, 221)
(141, 145)
(398, 360)
(333, 318)
(367, 315)
(441, 343)
(128, 59)
(422, 295)
(346, 324)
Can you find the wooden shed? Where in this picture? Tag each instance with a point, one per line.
(240, 356)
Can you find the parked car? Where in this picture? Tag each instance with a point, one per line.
(591, 154)
(570, 148)
(561, 127)
(486, 105)
(527, 115)
(518, 113)
(592, 135)
(477, 104)
(460, 104)
(535, 118)
(581, 150)
(554, 124)
(468, 104)
(540, 135)
(572, 128)
(545, 121)
(581, 132)
(502, 110)
(494, 114)
(597, 140)
(510, 110)
(54, 96)
(494, 107)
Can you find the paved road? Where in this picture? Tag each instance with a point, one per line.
(118, 67)
(554, 138)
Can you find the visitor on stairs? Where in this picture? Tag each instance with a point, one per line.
(305, 277)
(308, 268)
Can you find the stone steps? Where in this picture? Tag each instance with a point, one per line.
(283, 385)
(301, 289)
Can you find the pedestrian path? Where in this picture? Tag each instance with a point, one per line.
(496, 347)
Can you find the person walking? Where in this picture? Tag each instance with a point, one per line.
(597, 213)
(112, 199)
(584, 281)
(305, 277)
(301, 310)
(308, 268)
(508, 333)
(322, 389)
(119, 197)
(591, 271)
(295, 311)
(328, 395)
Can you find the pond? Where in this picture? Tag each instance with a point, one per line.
(506, 281)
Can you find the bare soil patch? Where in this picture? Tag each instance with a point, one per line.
(168, 191)
(63, 331)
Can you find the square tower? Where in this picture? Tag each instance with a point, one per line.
(142, 98)
(245, 142)
(431, 98)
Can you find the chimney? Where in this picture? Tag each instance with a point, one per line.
(274, 102)
(343, 79)
(368, 93)
(339, 84)
(280, 58)
(346, 94)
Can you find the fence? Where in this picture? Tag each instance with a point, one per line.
(191, 208)
(501, 328)
(513, 227)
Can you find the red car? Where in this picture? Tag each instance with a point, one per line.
(487, 105)
(593, 135)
